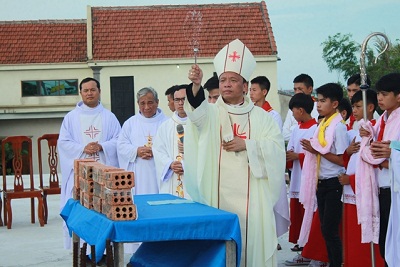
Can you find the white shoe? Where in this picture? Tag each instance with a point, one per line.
(298, 260)
(315, 263)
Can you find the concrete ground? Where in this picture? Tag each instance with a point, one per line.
(27, 244)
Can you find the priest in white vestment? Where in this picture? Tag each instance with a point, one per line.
(168, 150)
(88, 131)
(235, 154)
(135, 142)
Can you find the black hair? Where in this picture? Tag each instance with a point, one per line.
(212, 83)
(88, 79)
(344, 104)
(356, 79)
(389, 83)
(304, 78)
(170, 91)
(182, 86)
(371, 98)
(302, 101)
(262, 81)
(333, 91)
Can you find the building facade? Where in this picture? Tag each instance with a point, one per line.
(126, 49)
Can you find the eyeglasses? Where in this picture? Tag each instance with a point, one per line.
(177, 100)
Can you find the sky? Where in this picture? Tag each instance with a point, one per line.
(299, 26)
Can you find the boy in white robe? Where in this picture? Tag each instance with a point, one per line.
(379, 154)
(88, 131)
(234, 154)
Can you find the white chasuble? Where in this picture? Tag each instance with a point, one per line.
(91, 127)
(140, 131)
(247, 183)
(234, 177)
(81, 126)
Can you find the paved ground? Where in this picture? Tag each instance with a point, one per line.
(29, 244)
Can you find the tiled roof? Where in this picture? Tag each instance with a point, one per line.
(164, 31)
(139, 32)
(43, 41)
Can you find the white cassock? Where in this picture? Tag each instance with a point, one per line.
(349, 196)
(165, 151)
(392, 245)
(138, 131)
(247, 183)
(81, 126)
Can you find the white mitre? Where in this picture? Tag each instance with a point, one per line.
(235, 57)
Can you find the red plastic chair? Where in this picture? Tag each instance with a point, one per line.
(18, 190)
(53, 187)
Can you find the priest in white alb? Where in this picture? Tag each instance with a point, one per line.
(235, 154)
(88, 131)
(168, 149)
(135, 152)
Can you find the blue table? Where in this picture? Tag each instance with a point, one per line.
(158, 223)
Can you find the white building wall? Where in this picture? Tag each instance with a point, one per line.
(35, 116)
(10, 87)
(162, 74)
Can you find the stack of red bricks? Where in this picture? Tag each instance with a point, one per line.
(104, 189)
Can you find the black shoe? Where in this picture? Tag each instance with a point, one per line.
(297, 248)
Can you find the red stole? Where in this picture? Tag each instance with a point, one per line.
(352, 119)
(381, 129)
(267, 107)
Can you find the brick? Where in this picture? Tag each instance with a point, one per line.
(120, 213)
(119, 180)
(98, 172)
(78, 161)
(97, 204)
(76, 169)
(87, 200)
(76, 193)
(76, 181)
(81, 194)
(86, 186)
(98, 189)
(118, 197)
(86, 169)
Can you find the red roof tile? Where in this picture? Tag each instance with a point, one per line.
(42, 41)
(140, 32)
(164, 31)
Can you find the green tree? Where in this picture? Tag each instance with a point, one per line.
(339, 53)
(342, 54)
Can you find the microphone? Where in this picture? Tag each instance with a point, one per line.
(180, 131)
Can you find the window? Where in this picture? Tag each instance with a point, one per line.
(50, 88)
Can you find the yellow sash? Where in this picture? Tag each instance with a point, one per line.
(321, 137)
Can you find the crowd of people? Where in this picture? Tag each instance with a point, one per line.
(227, 150)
